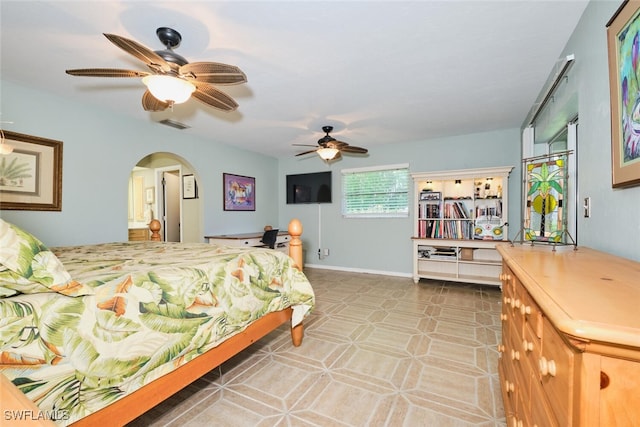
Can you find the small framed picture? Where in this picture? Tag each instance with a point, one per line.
(149, 195)
(189, 187)
(430, 195)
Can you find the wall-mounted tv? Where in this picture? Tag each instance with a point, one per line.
(309, 188)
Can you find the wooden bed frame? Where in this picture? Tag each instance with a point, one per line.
(135, 404)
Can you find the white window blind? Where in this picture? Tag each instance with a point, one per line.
(381, 191)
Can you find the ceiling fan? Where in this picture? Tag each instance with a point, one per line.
(172, 79)
(331, 149)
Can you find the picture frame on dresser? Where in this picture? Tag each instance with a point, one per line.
(239, 192)
(622, 30)
(31, 174)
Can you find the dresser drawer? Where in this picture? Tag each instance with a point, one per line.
(531, 347)
(555, 370)
(531, 313)
(541, 412)
(508, 388)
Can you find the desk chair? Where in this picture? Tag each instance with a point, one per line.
(269, 238)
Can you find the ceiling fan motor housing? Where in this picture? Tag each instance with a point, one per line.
(171, 39)
(325, 139)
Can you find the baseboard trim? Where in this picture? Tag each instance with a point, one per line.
(359, 270)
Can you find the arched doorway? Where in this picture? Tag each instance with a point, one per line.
(156, 192)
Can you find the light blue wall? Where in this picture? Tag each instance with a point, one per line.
(99, 150)
(614, 225)
(384, 245)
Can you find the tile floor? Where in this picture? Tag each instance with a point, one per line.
(378, 351)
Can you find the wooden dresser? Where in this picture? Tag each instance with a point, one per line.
(570, 349)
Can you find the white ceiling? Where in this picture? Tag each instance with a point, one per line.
(380, 72)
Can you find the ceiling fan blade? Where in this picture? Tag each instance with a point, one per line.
(151, 103)
(304, 145)
(144, 54)
(352, 149)
(306, 152)
(213, 72)
(211, 96)
(106, 72)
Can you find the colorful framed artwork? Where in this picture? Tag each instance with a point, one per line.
(623, 40)
(31, 173)
(239, 192)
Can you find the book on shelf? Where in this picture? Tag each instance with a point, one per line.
(456, 209)
(429, 210)
(444, 229)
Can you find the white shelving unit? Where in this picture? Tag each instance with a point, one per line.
(459, 218)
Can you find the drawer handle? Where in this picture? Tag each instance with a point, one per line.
(509, 386)
(515, 303)
(505, 277)
(515, 355)
(525, 309)
(503, 317)
(547, 367)
(527, 345)
(604, 380)
(500, 348)
(507, 300)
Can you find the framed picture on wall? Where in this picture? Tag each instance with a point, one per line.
(189, 187)
(149, 195)
(623, 34)
(239, 192)
(30, 173)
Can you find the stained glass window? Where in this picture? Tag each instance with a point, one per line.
(545, 211)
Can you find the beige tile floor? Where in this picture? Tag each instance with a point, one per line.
(378, 351)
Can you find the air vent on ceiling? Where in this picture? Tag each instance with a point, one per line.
(174, 124)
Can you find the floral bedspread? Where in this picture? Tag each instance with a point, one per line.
(145, 308)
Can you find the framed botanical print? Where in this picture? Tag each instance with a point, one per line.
(30, 173)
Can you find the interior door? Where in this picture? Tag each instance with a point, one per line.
(171, 193)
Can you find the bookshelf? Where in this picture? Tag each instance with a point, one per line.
(459, 218)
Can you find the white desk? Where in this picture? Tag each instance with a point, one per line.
(249, 240)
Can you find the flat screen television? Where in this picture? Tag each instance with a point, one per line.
(312, 187)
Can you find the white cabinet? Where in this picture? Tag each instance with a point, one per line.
(250, 240)
(459, 218)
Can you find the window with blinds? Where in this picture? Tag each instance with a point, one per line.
(376, 192)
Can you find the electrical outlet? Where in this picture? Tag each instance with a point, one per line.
(587, 207)
(325, 252)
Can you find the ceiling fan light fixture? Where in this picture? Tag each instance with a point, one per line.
(327, 153)
(4, 147)
(168, 88)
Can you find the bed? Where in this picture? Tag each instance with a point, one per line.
(99, 334)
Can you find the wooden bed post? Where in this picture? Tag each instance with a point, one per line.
(295, 252)
(295, 244)
(155, 226)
